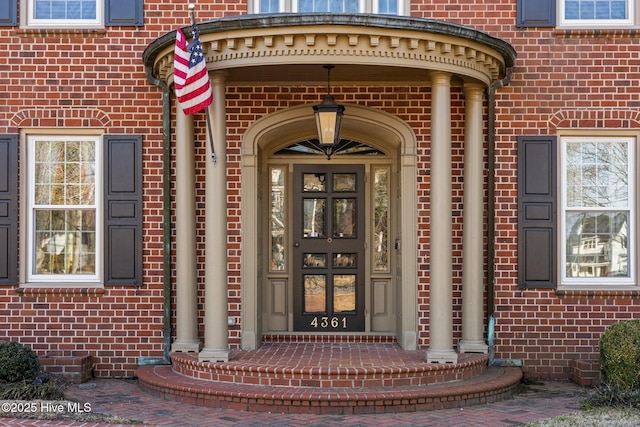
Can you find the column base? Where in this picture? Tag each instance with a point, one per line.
(469, 346)
(214, 356)
(185, 346)
(441, 356)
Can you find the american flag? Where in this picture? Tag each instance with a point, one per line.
(190, 75)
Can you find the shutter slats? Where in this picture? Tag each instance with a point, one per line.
(537, 212)
(8, 209)
(536, 13)
(124, 12)
(123, 210)
(8, 13)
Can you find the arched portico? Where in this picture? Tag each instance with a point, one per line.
(360, 123)
(368, 50)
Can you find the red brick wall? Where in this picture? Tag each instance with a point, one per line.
(96, 78)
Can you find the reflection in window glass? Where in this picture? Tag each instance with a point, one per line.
(314, 220)
(381, 219)
(597, 205)
(278, 219)
(335, 6)
(64, 207)
(342, 260)
(314, 261)
(595, 9)
(269, 6)
(344, 293)
(388, 7)
(597, 244)
(344, 182)
(315, 293)
(65, 9)
(314, 182)
(344, 218)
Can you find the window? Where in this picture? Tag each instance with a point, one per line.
(596, 13)
(598, 211)
(64, 209)
(388, 7)
(65, 13)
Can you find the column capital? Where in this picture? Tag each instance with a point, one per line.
(440, 78)
(219, 77)
(472, 89)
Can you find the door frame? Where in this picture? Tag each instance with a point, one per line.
(285, 127)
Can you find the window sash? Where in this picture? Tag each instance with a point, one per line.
(592, 13)
(64, 209)
(597, 234)
(65, 13)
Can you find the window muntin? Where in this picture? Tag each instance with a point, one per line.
(599, 13)
(65, 13)
(598, 199)
(64, 209)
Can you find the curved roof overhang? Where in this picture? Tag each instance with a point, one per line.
(367, 49)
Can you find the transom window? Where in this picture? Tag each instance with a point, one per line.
(596, 12)
(64, 210)
(598, 211)
(65, 13)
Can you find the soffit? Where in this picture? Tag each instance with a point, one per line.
(366, 49)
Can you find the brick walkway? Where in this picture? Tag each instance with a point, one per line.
(125, 399)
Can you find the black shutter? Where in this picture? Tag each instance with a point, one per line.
(123, 210)
(8, 209)
(536, 13)
(537, 211)
(8, 13)
(124, 12)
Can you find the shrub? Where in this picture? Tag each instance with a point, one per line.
(620, 356)
(24, 391)
(19, 362)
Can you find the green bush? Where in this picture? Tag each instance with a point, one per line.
(18, 362)
(620, 356)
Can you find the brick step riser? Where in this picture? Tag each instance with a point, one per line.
(335, 377)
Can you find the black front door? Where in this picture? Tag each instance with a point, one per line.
(328, 252)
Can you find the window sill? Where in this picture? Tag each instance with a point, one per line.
(598, 291)
(47, 290)
(571, 32)
(58, 32)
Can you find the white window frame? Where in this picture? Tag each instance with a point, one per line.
(632, 237)
(29, 20)
(28, 234)
(598, 23)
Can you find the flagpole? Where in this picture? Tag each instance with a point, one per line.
(214, 158)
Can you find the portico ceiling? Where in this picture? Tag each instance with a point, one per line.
(366, 49)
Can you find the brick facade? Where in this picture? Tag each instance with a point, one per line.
(574, 79)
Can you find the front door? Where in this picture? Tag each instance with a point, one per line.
(328, 248)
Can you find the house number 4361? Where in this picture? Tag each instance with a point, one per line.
(326, 322)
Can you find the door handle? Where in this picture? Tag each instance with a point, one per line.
(296, 245)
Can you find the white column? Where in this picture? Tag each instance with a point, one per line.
(472, 261)
(216, 335)
(186, 277)
(440, 289)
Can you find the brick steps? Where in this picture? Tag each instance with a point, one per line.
(329, 379)
(493, 385)
(406, 369)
